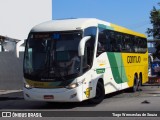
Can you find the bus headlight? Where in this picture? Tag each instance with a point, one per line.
(74, 85)
(26, 85)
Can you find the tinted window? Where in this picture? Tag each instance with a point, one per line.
(112, 41)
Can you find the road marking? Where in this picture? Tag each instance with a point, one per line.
(2, 92)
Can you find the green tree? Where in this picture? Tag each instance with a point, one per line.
(155, 21)
(155, 30)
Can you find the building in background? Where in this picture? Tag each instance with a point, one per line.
(8, 44)
(19, 16)
(17, 19)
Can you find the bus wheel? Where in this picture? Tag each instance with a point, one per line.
(140, 84)
(136, 84)
(100, 93)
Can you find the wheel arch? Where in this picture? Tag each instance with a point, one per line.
(136, 75)
(101, 81)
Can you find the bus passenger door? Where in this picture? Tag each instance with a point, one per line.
(88, 71)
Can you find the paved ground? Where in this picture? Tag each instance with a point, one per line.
(148, 99)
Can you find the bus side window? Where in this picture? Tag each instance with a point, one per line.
(119, 41)
(101, 45)
(108, 42)
(113, 41)
(127, 43)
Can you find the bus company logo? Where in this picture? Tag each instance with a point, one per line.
(6, 114)
(133, 59)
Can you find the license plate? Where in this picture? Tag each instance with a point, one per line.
(48, 97)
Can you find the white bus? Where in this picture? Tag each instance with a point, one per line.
(73, 60)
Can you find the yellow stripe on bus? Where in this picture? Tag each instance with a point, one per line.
(125, 30)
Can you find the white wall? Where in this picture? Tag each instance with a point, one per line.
(17, 17)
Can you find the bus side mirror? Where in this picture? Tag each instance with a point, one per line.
(81, 46)
(18, 47)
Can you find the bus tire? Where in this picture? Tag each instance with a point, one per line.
(135, 85)
(139, 84)
(140, 81)
(100, 94)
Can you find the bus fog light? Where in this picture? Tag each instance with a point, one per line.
(74, 95)
(27, 95)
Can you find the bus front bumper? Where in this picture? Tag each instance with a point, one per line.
(53, 95)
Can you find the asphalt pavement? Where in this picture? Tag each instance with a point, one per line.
(146, 100)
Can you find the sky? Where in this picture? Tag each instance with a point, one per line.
(132, 14)
(19, 16)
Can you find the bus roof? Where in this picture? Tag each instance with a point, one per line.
(80, 23)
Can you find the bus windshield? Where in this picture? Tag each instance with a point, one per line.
(52, 56)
